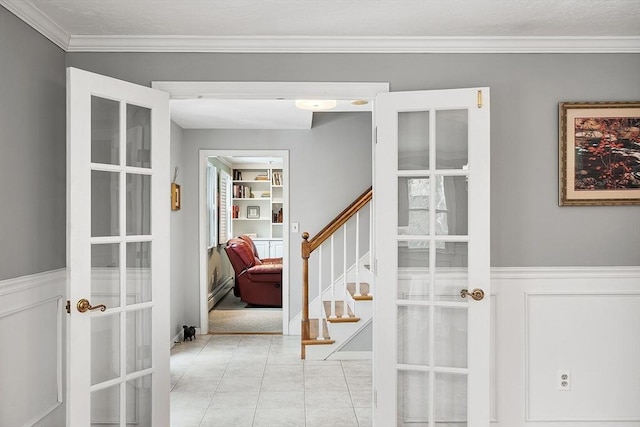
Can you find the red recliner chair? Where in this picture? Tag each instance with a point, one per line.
(251, 243)
(257, 283)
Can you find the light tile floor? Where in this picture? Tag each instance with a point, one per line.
(259, 380)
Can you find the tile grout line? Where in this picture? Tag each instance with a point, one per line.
(255, 411)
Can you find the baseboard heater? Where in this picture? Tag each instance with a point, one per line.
(219, 292)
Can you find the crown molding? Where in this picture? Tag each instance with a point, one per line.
(32, 16)
(355, 44)
(322, 44)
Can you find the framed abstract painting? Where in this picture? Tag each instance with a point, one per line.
(599, 153)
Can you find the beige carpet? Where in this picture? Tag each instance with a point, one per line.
(232, 316)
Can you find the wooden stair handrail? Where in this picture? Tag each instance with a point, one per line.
(337, 222)
(309, 246)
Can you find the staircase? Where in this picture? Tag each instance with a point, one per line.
(339, 260)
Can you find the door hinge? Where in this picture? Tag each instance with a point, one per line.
(68, 307)
(375, 398)
(375, 134)
(479, 99)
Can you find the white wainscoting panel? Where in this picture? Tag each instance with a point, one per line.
(595, 337)
(586, 320)
(31, 349)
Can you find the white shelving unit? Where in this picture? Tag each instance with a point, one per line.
(257, 206)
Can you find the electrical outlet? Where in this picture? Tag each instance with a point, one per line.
(295, 227)
(564, 380)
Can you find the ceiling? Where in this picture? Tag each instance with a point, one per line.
(335, 25)
(248, 114)
(325, 26)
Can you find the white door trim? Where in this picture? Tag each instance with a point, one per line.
(271, 90)
(203, 155)
(261, 90)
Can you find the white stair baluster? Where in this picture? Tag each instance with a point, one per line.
(321, 305)
(332, 281)
(344, 265)
(357, 262)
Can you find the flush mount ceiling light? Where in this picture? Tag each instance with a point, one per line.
(316, 104)
(359, 102)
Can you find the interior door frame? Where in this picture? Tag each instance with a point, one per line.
(257, 91)
(203, 156)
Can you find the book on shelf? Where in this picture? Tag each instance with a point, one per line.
(242, 191)
(237, 175)
(276, 217)
(276, 178)
(235, 211)
(262, 177)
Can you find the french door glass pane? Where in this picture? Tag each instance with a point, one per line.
(413, 140)
(138, 340)
(138, 136)
(413, 399)
(139, 402)
(138, 272)
(452, 205)
(138, 204)
(413, 335)
(413, 206)
(452, 272)
(105, 203)
(450, 337)
(105, 131)
(413, 270)
(105, 406)
(452, 147)
(105, 274)
(450, 401)
(105, 348)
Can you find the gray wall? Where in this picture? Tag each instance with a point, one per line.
(330, 163)
(178, 306)
(528, 227)
(32, 151)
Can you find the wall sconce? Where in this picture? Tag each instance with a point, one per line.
(175, 192)
(175, 197)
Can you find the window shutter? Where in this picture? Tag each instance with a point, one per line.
(225, 207)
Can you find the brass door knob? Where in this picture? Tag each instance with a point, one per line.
(84, 305)
(476, 294)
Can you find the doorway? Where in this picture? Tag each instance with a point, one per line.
(264, 91)
(247, 194)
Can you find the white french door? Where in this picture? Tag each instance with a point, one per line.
(118, 203)
(431, 344)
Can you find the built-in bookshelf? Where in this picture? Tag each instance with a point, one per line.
(257, 202)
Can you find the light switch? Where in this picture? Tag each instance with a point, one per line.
(295, 227)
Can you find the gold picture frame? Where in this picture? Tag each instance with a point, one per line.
(599, 153)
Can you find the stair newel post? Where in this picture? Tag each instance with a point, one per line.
(306, 252)
(344, 265)
(357, 261)
(332, 282)
(320, 302)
